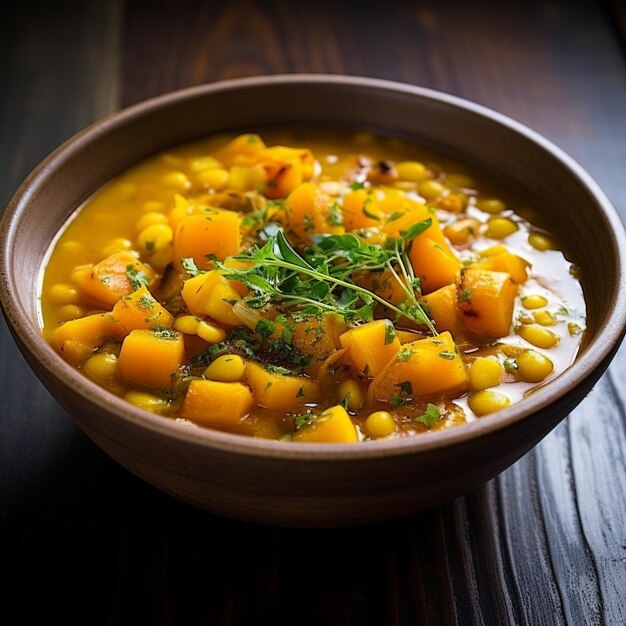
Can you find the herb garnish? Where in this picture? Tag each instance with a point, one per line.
(136, 277)
(430, 417)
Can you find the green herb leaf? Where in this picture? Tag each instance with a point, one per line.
(189, 265)
(415, 229)
(390, 332)
(357, 185)
(430, 417)
(447, 355)
(164, 333)
(466, 294)
(136, 277)
(265, 328)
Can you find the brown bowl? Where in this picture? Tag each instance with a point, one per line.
(314, 484)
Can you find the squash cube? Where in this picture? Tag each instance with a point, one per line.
(443, 309)
(277, 391)
(216, 404)
(114, 277)
(370, 346)
(210, 294)
(140, 310)
(332, 426)
(212, 232)
(486, 300)
(91, 330)
(151, 357)
(422, 368)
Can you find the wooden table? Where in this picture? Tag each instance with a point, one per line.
(84, 541)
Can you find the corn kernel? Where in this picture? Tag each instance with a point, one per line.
(148, 219)
(79, 271)
(500, 227)
(160, 259)
(246, 178)
(430, 189)
(119, 244)
(485, 402)
(534, 302)
(413, 171)
(186, 324)
(147, 402)
(210, 332)
(215, 178)
(155, 237)
(491, 205)
(350, 394)
(71, 247)
(380, 424)
(71, 312)
(152, 206)
(540, 242)
(545, 318)
(538, 336)
(227, 368)
(101, 368)
(62, 293)
(533, 366)
(203, 163)
(176, 180)
(485, 372)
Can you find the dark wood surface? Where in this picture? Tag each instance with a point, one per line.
(84, 541)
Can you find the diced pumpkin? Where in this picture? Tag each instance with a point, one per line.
(140, 310)
(277, 391)
(332, 426)
(433, 261)
(216, 404)
(114, 277)
(91, 330)
(249, 145)
(286, 168)
(308, 211)
(360, 209)
(370, 346)
(423, 368)
(151, 358)
(512, 264)
(443, 310)
(486, 300)
(212, 232)
(381, 282)
(412, 212)
(210, 294)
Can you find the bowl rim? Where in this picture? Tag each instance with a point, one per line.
(599, 350)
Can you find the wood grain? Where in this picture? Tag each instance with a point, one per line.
(544, 543)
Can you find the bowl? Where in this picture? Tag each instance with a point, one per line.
(314, 484)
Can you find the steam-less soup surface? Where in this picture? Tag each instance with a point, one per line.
(312, 289)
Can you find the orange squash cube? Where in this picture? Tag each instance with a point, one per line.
(332, 426)
(370, 346)
(277, 391)
(486, 300)
(91, 330)
(444, 311)
(216, 404)
(140, 310)
(210, 294)
(151, 357)
(113, 278)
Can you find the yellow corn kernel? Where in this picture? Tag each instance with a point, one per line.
(160, 259)
(246, 178)
(71, 247)
(430, 189)
(149, 219)
(500, 227)
(215, 178)
(62, 293)
(534, 302)
(541, 242)
(380, 424)
(176, 180)
(485, 372)
(203, 163)
(545, 318)
(101, 368)
(147, 402)
(574, 329)
(485, 402)
(118, 244)
(71, 312)
(210, 332)
(187, 324)
(538, 336)
(413, 171)
(350, 394)
(533, 367)
(228, 368)
(155, 237)
(491, 205)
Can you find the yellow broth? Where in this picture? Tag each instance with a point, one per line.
(136, 211)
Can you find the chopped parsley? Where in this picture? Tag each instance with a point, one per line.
(146, 302)
(136, 277)
(277, 369)
(390, 332)
(164, 333)
(357, 185)
(466, 294)
(430, 417)
(189, 265)
(447, 355)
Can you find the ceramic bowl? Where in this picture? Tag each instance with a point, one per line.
(314, 484)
